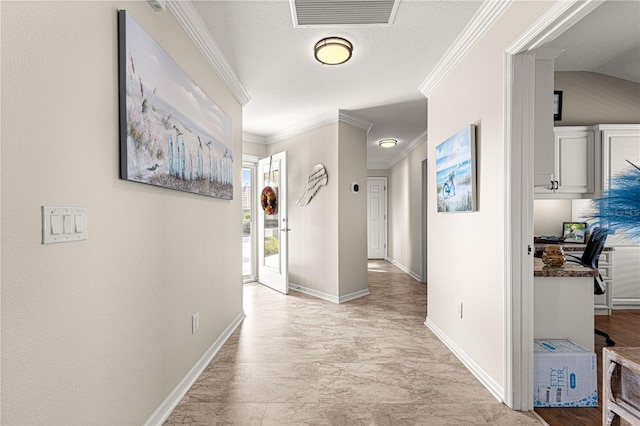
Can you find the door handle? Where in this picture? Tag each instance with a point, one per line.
(285, 229)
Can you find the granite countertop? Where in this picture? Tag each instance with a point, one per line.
(568, 246)
(569, 270)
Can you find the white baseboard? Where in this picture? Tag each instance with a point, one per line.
(404, 269)
(327, 296)
(164, 410)
(356, 295)
(626, 303)
(492, 386)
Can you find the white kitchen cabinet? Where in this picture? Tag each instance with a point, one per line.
(621, 143)
(602, 303)
(574, 164)
(626, 292)
(618, 143)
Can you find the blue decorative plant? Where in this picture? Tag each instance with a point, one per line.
(619, 208)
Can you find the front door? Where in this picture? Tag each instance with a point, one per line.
(273, 262)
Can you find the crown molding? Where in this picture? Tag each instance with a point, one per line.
(556, 20)
(250, 137)
(302, 128)
(187, 16)
(422, 137)
(481, 22)
(354, 120)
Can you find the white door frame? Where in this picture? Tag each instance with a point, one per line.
(519, 122)
(423, 218)
(385, 208)
(274, 277)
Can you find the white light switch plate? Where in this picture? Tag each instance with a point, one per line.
(63, 224)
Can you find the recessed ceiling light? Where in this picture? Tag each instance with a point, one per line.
(333, 50)
(388, 143)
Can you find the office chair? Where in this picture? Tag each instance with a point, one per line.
(590, 258)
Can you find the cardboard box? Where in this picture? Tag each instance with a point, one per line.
(564, 375)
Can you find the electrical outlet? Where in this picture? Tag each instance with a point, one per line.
(459, 310)
(195, 322)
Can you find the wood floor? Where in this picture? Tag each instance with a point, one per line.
(624, 328)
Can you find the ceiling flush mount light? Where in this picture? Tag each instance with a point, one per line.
(333, 50)
(388, 143)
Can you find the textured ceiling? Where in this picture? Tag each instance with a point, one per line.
(273, 60)
(606, 41)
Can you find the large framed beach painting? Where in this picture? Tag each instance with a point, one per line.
(171, 133)
(456, 172)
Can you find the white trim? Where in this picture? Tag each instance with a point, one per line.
(171, 401)
(626, 303)
(485, 378)
(302, 128)
(481, 22)
(403, 268)
(354, 295)
(311, 125)
(250, 137)
(518, 327)
(354, 120)
(422, 137)
(329, 297)
(188, 17)
(315, 293)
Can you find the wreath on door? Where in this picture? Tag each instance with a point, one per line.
(268, 197)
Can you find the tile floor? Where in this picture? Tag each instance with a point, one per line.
(299, 360)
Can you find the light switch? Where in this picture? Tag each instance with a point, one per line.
(56, 224)
(68, 224)
(79, 223)
(62, 224)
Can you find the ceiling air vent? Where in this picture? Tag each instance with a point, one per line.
(342, 13)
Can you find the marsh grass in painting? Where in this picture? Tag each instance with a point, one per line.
(172, 134)
(455, 172)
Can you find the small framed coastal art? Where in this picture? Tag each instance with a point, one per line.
(172, 134)
(574, 232)
(456, 172)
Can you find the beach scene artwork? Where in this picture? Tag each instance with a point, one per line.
(455, 172)
(172, 134)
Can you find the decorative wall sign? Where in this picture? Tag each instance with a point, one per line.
(456, 172)
(317, 178)
(171, 133)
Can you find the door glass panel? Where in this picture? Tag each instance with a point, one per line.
(247, 222)
(271, 221)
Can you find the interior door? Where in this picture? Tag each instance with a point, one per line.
(273, 262)
(377, 218)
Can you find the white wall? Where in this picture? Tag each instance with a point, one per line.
(590, 98)
(256, 149)
(548, 216)
(405, 210)
(352, 209)
(313, 240)
(327, 242)
(466, 250)
(99, 331)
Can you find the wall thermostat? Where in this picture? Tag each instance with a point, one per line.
(355, 187)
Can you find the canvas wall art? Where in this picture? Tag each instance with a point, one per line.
(171, 133)
(456, 172)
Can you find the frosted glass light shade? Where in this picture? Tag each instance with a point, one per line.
(388, 143)
(333, 50)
